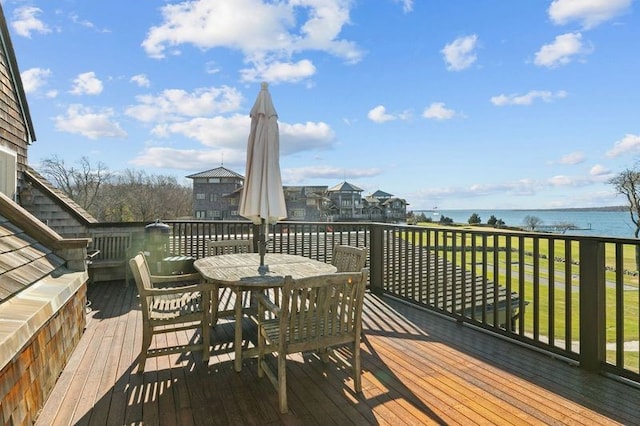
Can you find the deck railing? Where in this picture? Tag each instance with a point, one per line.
(573, 296)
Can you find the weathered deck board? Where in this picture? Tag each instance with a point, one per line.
(418, 369)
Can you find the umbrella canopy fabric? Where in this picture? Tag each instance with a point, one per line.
(262, 195)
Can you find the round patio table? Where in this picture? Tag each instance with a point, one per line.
(240, 273)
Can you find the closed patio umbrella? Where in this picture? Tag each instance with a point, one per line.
(262, 199)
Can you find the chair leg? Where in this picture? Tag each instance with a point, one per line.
(146, 343)
(282, 382)
(324, 354)
(357, 368)
(215, 298)
(261, 345)
(206, 329)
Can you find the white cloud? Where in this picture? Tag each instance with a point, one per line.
(34, 78)
(589, 12)
(232, 132)
(307, 136)
(573, 158)
(629, 144)
(174, 104)
(379, 115)
(561, 51)
(186, 159)
(407, 5)
(265, 32)
(141, 80)
(599, 170)
(438, 111)
(527, 98)
(25, 21)
(86, 84)
(460, 53)
(300, 175)
(275, 72)
(87, 122)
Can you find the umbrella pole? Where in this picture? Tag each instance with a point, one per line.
(262, 248)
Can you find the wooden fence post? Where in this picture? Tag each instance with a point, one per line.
(376, 258)
(592, 304)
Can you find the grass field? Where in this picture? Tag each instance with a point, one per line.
(545, 258)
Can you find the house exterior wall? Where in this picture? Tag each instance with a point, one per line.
(13, 131)
(218, 198)
(28, 379)
(215, 198)
(57, 218)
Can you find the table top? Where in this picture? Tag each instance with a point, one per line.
(242, 269)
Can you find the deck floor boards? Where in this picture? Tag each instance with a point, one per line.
(418, 368)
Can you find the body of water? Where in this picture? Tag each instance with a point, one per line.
(590, 222)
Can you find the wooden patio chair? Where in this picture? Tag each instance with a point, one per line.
(170, 303)
(316, 313)
(348, 258)
(216, 248)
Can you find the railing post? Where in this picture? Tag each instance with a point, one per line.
(376, 258)
(592, 304)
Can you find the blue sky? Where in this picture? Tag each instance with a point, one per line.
(466, 104)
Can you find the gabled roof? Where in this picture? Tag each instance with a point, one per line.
(7, 49)
(381, 194)
(23, 260)
(218, 172)
(392, 200)
(59, 196)
(344, 187)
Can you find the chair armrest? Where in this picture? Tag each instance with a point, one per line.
(175, 290)
(268, 304)
(160, 279)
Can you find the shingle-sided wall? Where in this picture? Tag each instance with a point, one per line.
(27, 380)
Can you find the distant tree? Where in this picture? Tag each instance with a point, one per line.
(82, 184)
(421, 218)
(495, 222)
(130, 196)
(446, 220)
(474, 219)
(563, 227)
(532, 222)
(627, 183)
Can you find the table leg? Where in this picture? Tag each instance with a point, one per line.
(238, 332)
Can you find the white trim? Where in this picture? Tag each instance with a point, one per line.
(8, 172)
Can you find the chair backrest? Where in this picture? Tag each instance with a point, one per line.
(348, 258)
(111, 245)
(142, 277)
(215, 248)
(322, 310)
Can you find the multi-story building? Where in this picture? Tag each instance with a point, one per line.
(216, 195)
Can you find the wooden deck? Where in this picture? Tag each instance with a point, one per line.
(418, 369)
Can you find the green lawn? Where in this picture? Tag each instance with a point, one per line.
(543, 266)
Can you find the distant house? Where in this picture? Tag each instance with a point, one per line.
(216, 194)
(306, 203)
(43, 275)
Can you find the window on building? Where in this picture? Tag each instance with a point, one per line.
(297, 213)
(214, 214)
(234, 201)
(200, 196)
(234, 213)
(200, 214)
(214, 180)
(213, 197)
(8, 172)
(346, 203)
